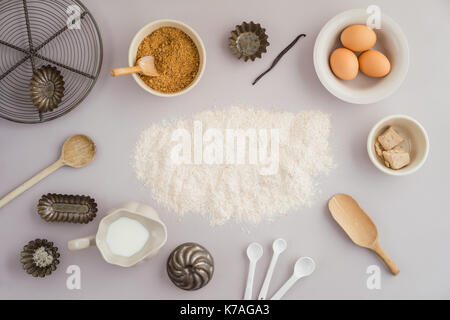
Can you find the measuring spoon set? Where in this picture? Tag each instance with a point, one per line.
(303, 268)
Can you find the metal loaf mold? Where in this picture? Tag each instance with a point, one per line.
(67, 208)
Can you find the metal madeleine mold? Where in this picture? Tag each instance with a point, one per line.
(190, 266)
(248, 41)
(46, 88)
(67, 208)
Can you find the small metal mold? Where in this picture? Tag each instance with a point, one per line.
(46, 88)
(67, 208)
(190, 266)
(248, 41)
(39, 258)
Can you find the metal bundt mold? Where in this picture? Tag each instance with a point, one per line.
(190, 266)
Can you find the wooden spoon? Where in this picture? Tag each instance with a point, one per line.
(145, 65)
(358, 226)
(77, 151)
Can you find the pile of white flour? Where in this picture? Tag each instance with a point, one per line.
(225, 191)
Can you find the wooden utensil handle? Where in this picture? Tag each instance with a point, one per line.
(123, 71)
(389, 263)
(29, 183)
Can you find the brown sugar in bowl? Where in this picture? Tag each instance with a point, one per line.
(147, 30)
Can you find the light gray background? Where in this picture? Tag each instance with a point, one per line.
(411, 212)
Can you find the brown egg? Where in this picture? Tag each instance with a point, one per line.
(374, 64)
(358, 38)
(344, 64)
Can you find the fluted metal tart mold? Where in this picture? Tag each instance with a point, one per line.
(248, 41)
(67, 208)
(39, 258)
(46, 88)
(190, 266)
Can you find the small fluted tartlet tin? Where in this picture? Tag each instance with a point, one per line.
(248, 41)
(46, 88)
(190, 266)
(67, 208)
(39, 258)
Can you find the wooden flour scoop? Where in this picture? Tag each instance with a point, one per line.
(77, 151)
(358, 226)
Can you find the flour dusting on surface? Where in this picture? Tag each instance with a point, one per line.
(238, 192)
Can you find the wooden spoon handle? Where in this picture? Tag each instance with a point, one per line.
(389, 263)
(29, 183)
(123, 71)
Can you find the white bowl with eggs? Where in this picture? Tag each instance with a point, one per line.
(390, 41)
(416, 139)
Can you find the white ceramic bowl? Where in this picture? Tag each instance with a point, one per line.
(148, 29)
(363, 89)
(417, 139)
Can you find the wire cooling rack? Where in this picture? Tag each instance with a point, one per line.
(34, 33)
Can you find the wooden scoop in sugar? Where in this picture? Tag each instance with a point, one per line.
(145, 66)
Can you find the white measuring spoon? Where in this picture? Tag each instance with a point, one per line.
(279, 245)
(303, 268)
(254, 252)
